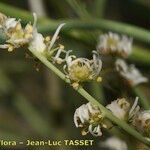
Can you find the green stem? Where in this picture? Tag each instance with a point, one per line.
(79, 8)
(86, 95)
(141, 55)
(91, 24)
(105, 25)
(99, 8)
(97, 92)
(142, 97)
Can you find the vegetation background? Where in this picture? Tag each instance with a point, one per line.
(37, 104)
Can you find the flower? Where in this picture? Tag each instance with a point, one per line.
(38, 41)
(115, 143)
(90, 118)
(45, 45)
(18, 36)
(121, 108)
(130, 73)
(83, 69)
(141, 122)
(112, 43)
(15, 34)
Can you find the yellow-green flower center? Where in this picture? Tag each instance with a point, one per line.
(79, 71)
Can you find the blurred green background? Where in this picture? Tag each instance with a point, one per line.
(37, 104)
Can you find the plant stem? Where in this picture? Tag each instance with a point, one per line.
(91, 24)
(99, 7)
(88, 97)
(143, 99)
(79, 8)
(105, 25)
(141, 54)
(97, 92)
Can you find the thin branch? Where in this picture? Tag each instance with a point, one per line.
(99, 8)
(143, 99)
(79, 8)
(51, 25)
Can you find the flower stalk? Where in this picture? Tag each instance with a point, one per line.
(144, 101)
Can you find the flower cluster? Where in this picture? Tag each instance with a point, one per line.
(45, 45)
(77, 69)
(139, 119)
(15, 34)
(90, 118)
(112, 43)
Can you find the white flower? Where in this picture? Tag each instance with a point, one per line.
(83, 69)
(112, 43)
(130, 73)
(121, 108)
(108, 42)
(125, 46)
(141, 122)
(18, 36)
(114, 143)
(15, 34)
(83, 114)
(37, 43)
(41, 44)
(89, 117)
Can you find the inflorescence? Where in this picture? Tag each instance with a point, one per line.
(79, 70)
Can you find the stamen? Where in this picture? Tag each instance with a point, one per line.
(134, 105)
(55, 36)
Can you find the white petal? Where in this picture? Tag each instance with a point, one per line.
(116, 110)
(11, 23)
(96, 131)
(37, 43)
